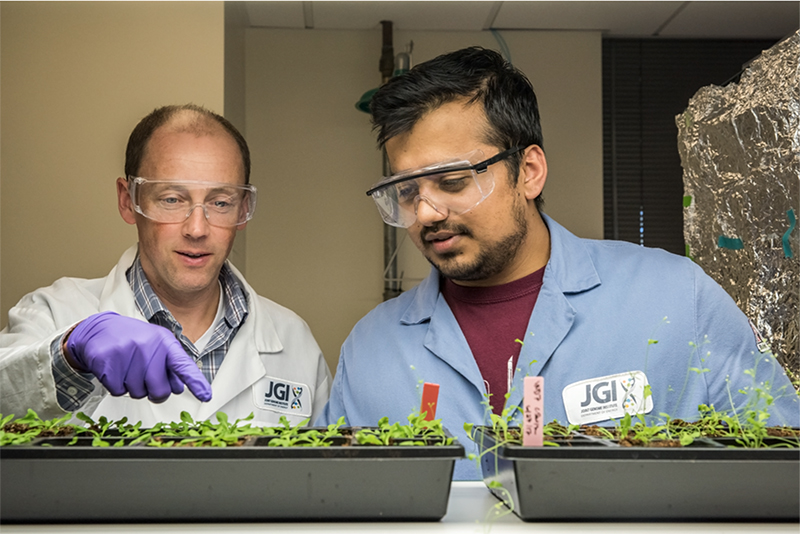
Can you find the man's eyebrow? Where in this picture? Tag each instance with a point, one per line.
(210, 188)
(223, 188)
(170, 185)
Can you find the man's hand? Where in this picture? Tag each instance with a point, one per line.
(131, 356)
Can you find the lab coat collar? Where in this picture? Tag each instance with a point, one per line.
(117, 294)
(570, 267)
(265, 337)
(424, 300)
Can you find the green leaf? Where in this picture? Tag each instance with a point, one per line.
(85, 418)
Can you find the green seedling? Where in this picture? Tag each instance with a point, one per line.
(418, 432)
(224, 433)
(31, 426)
(192, 433)
(309, 437)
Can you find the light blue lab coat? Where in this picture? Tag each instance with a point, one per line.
(599, 305)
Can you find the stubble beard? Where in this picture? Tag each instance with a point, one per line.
(491, 260)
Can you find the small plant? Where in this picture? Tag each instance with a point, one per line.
(31, 426)
(102, 430)
(293, 436)
(418, 432)
(501, 428)
(190, 433)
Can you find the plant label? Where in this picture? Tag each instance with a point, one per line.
(607, 397)
(430, 396)
(533, 411)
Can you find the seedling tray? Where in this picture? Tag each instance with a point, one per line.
(48, 481)
(589, 478)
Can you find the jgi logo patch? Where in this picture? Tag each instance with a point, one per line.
(282, 396)
(607, 397)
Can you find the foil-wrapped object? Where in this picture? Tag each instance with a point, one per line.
(740, 151)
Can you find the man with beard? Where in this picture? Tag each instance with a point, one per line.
(612, 327)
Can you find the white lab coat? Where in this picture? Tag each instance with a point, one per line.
(272, 345)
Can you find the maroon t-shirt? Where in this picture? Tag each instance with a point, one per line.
(492, 319)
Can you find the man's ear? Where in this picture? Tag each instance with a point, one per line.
(124, 202)
(534, 171)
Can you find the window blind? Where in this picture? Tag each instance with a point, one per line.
(646, 83)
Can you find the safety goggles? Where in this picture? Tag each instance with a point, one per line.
(454, 186)
(168, 201)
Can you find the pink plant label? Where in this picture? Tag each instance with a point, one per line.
(430, 396)
(533, 411)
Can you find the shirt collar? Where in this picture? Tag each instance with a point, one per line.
(234, 298)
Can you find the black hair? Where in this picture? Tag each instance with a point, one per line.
(476, 74)
(141, 134)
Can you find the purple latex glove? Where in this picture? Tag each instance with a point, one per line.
(131, 356)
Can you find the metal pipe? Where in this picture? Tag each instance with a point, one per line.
(391, 282)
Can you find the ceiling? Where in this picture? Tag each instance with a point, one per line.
(705, 19)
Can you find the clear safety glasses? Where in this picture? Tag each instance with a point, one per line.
(454, 186)
(168, 201)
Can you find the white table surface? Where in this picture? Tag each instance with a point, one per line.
(470, 502)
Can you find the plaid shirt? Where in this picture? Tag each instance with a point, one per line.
(73, 387)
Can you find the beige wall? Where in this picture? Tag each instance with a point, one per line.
(315, 245)
(75, 79)
(235, 25)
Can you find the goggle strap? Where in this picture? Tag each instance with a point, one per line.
(479, 168)
(484, 165)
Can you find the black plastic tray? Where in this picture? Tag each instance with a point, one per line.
(47, 482)
(596, 479)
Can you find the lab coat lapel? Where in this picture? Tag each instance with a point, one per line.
(446, 340)
(242, 366)
(117, 294)
(444, 337)
(570, 270)
(550, 322)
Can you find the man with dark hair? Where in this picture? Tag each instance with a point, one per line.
(174, 312)
(613, 328)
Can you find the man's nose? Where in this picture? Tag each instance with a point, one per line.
(196, 224)
(427, 212)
